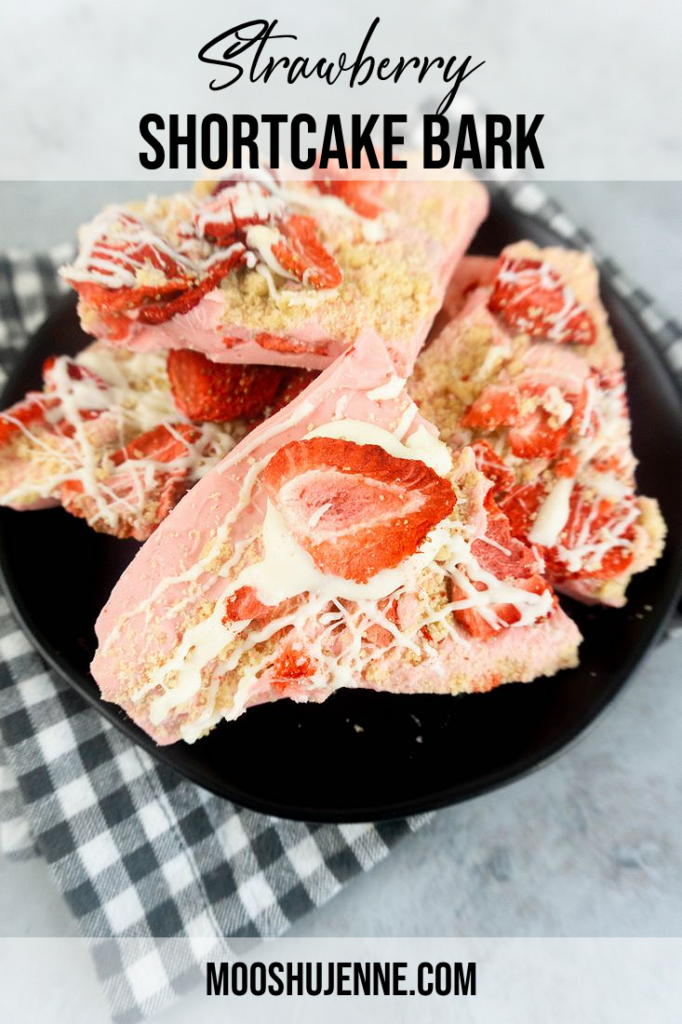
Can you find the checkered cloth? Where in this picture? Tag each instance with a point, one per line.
(137, 851)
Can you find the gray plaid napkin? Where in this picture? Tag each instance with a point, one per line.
(137, 851)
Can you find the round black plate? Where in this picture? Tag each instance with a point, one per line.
(365, 756)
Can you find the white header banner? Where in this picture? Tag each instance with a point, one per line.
(578, 91)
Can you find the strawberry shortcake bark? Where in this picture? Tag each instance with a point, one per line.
(117, 437)
(340, 544)
(527, 371)
(260, 271)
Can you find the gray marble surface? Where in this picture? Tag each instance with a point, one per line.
(591, 845)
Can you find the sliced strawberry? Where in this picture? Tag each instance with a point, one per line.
(362, 196)
(370, 510)
(127, 243)
(285, 343)
(590, 526)
(499, 552)
(506, 614)
(154, 304)
(492, 466)
(75, 371)
(30, 411)
(300, 251)
(497, 406)
(293, 383)
(160, 312)
(160, 444)
(204, 390)
(608, 464)
(585, 419)
(244, 604)
(122, 487)
(533, 437)
(521, 507)
(291, 667)
(567, 464)
(224, 217)
(529, 295)
(376, 633)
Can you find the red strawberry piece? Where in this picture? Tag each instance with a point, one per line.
(530, 296)
(300, 251)
(204, 390)
(245, 604)
(75, 372)
(505, 614)
(370, 510)
(376, 633)
(129, 244)
(533, 437)
(285, 343)
(157, 303)
(215, 219)
(521, 507)
(592, 524)
(224, 217)
(362, 196)
(290, 670)
(567, 464)
(585, 418)
(492, 466)
(30, 411)
(497, 406)
(499, 552)
(160, 444)
(608, 464)
(293, 383)
(160, 312)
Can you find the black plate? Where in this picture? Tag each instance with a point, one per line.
(365, 756)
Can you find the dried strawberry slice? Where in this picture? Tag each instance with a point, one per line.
(285, 343)
(567, 464)
(160, 444)
(215, 220)
(245, 604)
(492, 466)
(499, 552)
(224, 217)
(204, 390)
(30, 410)
(534, 437)
(157, 303)
(160, 312)
(75, 371)
(290, 670)
(593, 525)
(497, 406)
(364, 197)
(521, 507)
(127, 243)
(300, 251)
(529, 295)
(376, 633)
(369, 510)
(293, 383)
(505, 614)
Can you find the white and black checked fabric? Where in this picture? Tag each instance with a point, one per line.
(137, 851)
